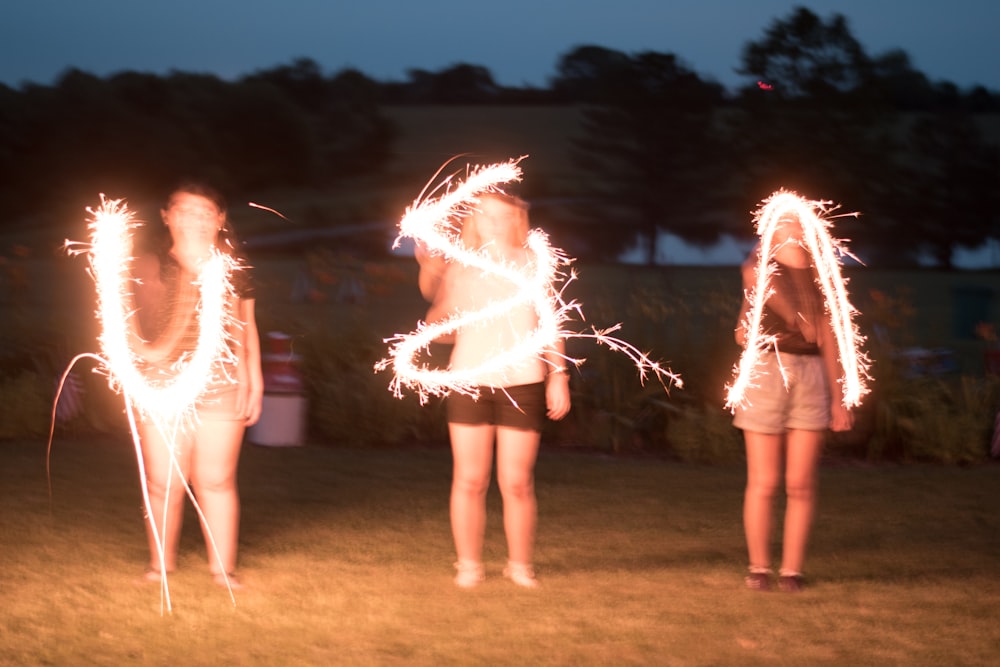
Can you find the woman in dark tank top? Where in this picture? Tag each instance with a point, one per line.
(795, 400)
(206, 452)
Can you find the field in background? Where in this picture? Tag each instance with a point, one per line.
(666, 309)
(340, 310)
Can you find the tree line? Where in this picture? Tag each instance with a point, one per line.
(659, 148)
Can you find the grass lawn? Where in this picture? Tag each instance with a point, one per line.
(347, 555)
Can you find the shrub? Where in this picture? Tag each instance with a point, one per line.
(25, 404)
(613, 410)
(686, 329)
(350, 403)
(946, 420)
(704, 433)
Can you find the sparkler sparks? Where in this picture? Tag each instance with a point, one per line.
(173, 400)
(168, 402)
(434, 223)
(826, 253)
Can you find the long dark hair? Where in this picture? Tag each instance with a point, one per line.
(201, 189)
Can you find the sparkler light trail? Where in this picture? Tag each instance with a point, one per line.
(825, 252)
(434, 222)
(169, 402)
(267, 208)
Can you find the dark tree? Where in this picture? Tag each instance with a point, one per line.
(893, 79)
(458, 84)
(804, 55)
(135, 134)
(302, 82)
(356, 137)
(953, 178)
(261, 138)
(835, 126)
(75, 139)
(981, 100)
(591, 74)
(651, 148)
(820, 124)
(463, 84)
(341, 117)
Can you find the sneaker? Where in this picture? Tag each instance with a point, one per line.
(758, 581)
(790, 583)
(521, 574)
(470, 574)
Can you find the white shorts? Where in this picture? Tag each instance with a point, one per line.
(794, 395)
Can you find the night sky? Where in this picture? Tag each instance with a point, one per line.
(520, 42)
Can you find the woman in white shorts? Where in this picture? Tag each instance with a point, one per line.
(795, 399)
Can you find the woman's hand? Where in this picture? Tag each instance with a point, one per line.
(841, 419)
(249, 398)
(249, 373)
(741, 334)
(557, 398)
(250, 394)
(255, 401)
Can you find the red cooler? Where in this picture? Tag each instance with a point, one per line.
(283, 415)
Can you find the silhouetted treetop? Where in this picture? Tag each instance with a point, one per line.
(804, 55)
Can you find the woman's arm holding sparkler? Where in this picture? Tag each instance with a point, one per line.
(442, 297)
(249, 374)
(432, 270)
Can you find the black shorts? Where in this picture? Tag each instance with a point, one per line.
(521, 406)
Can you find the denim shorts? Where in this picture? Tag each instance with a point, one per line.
(521, 407)
(797, 400)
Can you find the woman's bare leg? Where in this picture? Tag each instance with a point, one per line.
(472, 456)
(162, 476)
(764, 459)
(517, 451)
(801, 479)
(213, 468)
